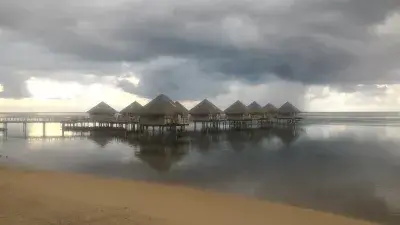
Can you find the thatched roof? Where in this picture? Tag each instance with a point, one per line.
(102, 108)
(205, 107)
(255, 108)
(134, 107)
(236, 108)
(181, 108)
(288, 108)
(161, 105)
(269, 108)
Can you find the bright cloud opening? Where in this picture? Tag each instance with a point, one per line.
(50, 89)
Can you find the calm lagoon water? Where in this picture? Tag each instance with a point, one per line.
(347, 167)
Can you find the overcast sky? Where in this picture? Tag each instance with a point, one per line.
(322, 55)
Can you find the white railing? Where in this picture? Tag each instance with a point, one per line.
(66, 119)
(37, 118)
(30, 119)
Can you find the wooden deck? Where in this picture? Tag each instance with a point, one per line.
(91, 128)
(166, 125)
(86, 119)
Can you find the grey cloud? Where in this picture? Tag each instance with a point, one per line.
(12, 87)
(21, 60)
(181, 80)
(369, 90)
(312, 42)
(275, 91)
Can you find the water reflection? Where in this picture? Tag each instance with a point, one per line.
(162, 152)
(102, 138)
(161, 158)
(348, 170)
(288, 136)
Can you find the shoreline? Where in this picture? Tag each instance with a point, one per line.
(43, 197)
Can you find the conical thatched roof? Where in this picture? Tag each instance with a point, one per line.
(102, 108)
(205, 107)
(288, 108)
(161, 105)
(134, 107)
(254, 108)
(181, 108)
(269, 108)
(236, 108)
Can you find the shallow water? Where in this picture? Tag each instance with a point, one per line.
(346, 168)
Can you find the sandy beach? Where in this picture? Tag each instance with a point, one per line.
(37, 197)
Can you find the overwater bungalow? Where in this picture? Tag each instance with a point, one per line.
(102, 111)
(132, 111)
(255, 110)
(161, 111)
(288, 110)
(237, 111)
(184, 112)
(269, 110)
(205, 111)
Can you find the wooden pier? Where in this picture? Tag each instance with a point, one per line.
(162, 115)
(85, 124)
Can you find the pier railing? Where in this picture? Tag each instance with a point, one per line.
(34, 119)
(88, 119)
(64, 119)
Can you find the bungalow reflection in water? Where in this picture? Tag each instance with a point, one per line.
(161, 152)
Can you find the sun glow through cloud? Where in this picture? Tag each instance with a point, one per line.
(48, 95)
(49, 89)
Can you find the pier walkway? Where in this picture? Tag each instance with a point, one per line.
(59, 119)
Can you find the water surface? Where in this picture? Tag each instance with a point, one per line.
(346, 168)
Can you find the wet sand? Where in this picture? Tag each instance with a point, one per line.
(36, 197)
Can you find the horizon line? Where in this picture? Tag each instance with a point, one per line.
(398, 111)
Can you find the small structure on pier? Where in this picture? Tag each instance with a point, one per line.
(237, 112)
(288, 110)
(205, 111)
(160, 111)
(102, 111)
(255, 110)
(270, 110)
(183, 112)
(132, 111)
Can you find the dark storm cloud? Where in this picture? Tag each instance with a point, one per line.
(309, 41)
(181, 79)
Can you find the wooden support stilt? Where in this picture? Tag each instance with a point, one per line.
(44, 129)
(62, 129)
